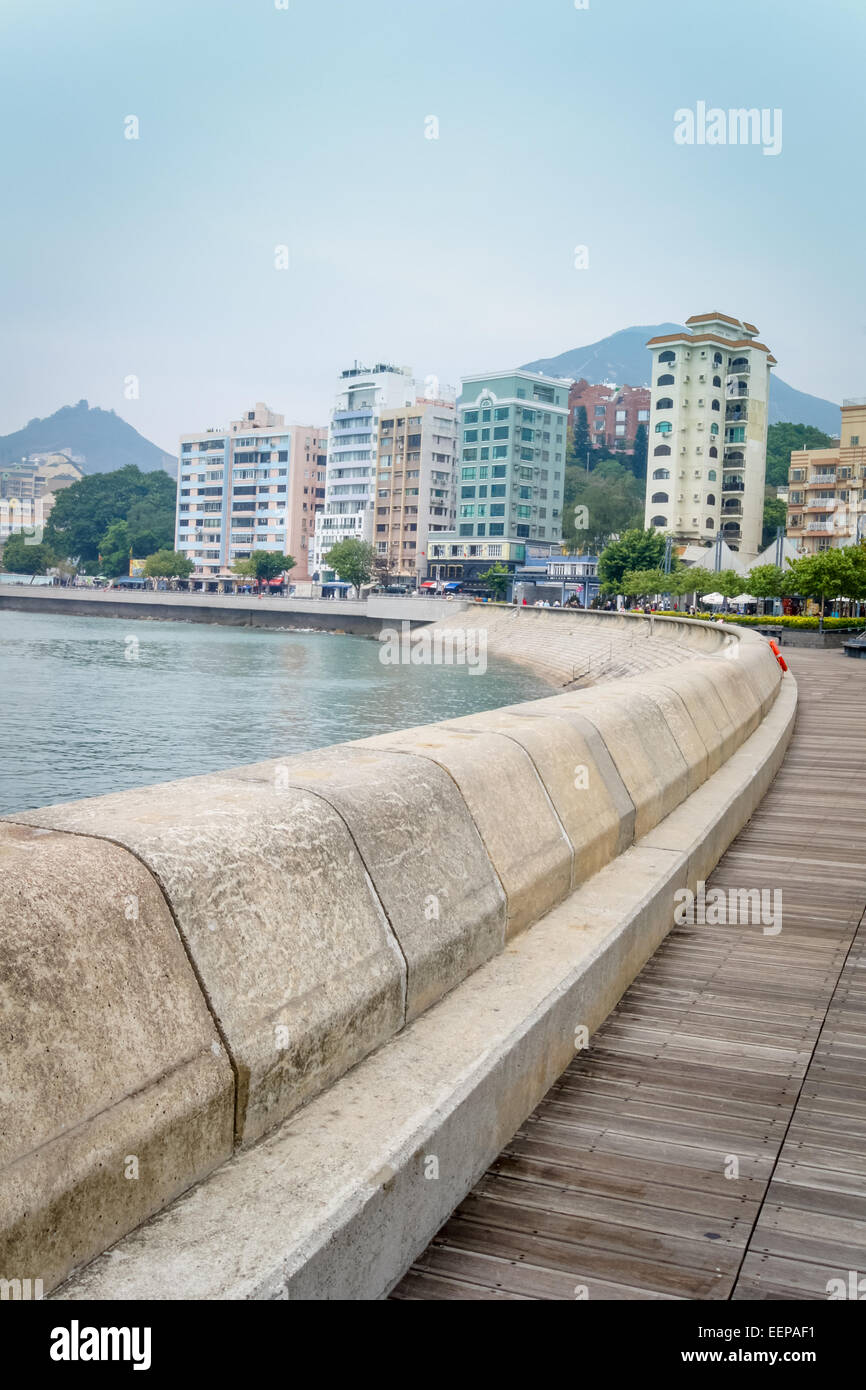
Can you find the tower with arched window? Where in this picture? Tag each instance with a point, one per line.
(707, 457)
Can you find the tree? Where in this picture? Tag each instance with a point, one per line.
(352, 560)
(696, 580)
(828, 574)
(766, 581)
(115, 549)
(636, 550)
(641, 449)
(782, 439)
(646, 583)
(263, 565)
(495, 579)
(580, 444)
(729, 584)
(267, 564)
(82, 513)
(600, 504)
(21, 557)
(775, 515)
(168, 564)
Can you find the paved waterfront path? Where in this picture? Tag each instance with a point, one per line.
(732, 1052)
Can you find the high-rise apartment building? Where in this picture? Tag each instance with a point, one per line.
(827, 488)
(415, 483)
(362, 394)
(512, 473)
(708, 433)
(250, 487)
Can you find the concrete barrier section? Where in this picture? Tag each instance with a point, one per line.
(635, 732)
(290, 943)
(425, 857)
(116, 1093)
(579, 777)
(706, 710)
(521, 831)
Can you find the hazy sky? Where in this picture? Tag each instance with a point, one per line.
(305, 126)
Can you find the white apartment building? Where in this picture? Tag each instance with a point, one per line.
(350, 486)
(241, 489)
(708, 433)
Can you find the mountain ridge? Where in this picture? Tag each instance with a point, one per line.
(623, 357)
(102, 440)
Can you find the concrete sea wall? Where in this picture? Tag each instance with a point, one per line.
(280, 990)
(362, 618)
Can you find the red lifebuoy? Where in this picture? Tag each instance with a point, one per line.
(777, 654)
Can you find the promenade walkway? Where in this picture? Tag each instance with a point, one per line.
(711, 1142)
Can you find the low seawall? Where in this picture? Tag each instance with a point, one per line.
(282, 989)
(361, 618)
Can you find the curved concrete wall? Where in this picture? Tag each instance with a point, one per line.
(193, 962)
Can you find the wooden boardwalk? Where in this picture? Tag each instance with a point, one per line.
(710, 1143)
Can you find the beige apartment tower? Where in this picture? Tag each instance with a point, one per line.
(827, 488)
(416, 461)
(708, 433)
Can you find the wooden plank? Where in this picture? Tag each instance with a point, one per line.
(729, 1042)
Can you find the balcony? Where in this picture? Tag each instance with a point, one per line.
(735, 412)
(733, 485)
(822, 480)
(732, 513)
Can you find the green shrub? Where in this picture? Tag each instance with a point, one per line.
(785, 621)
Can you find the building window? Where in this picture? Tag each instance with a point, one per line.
(664, 427)
(664, 403)
(659, 497)
(659, 521)
(662, 473)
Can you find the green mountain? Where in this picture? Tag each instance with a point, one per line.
(101, 440)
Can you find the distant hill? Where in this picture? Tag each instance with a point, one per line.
(101, 439)
(623, 358)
